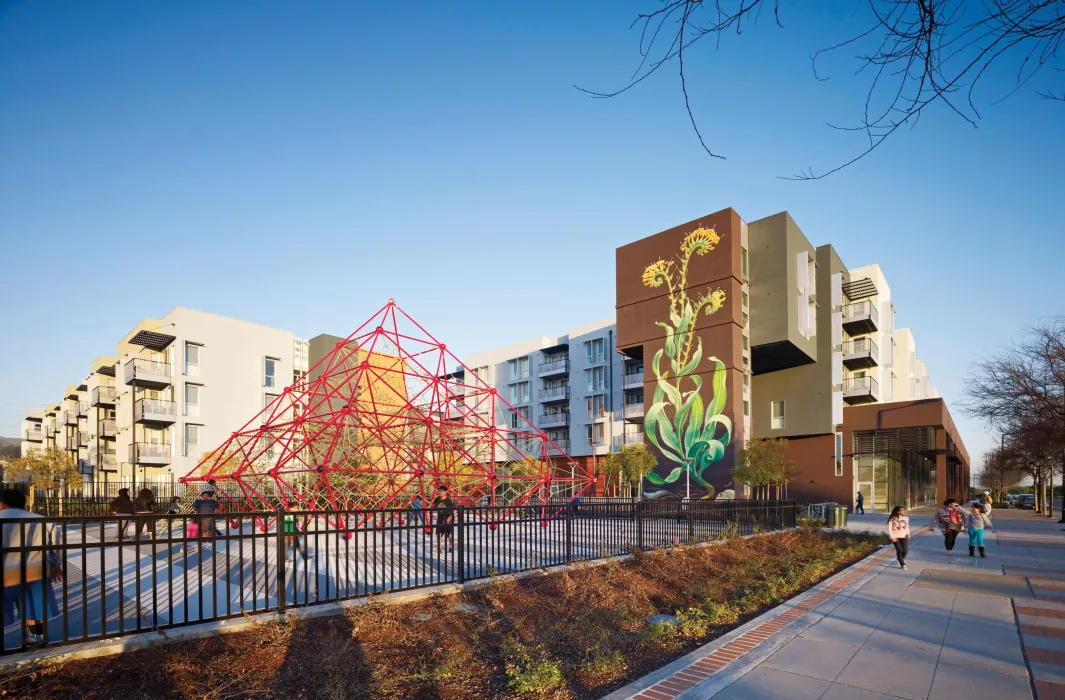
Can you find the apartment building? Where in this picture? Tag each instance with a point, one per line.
(174, 388)
(576, 388)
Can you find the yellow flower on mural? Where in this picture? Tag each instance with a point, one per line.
(700, 241)
(656, 273)
(717, 300)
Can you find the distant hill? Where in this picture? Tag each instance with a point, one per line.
(10, 448)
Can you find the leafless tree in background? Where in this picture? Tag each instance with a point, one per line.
(999, 474)
(1021, 392)
(917, 53)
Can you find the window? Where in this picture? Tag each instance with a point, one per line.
(839, 455)
(746, 407)
(518, 418)
(519, 368)
(597, 379)
(777, 415)
(269, 372)
(746, 379)
(192, 400)
(811, 317)
(743, 262)
(595, 434)
(519, 393)
(268, 399)
(596, 407)
(192, 360)
(743, 320)
(746, 343)
(192, 440)
(745, 298)
(596, 353)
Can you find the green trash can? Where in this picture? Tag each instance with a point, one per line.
(831, 516)
(841, 516)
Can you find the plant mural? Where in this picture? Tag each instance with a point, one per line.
(684, 430)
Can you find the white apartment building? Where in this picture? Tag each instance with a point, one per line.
(175, 388)
(576, 388)
(880, 362)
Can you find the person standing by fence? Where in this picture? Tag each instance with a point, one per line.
(206, 507)
(28, 576)
(445, 519)
(119, 507)
(145, 505)
(899, 532)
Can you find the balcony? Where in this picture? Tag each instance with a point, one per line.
(150, 454)
(34, 435)
(553, 367)
(76, 441)
(155, 411)
(103, 396)
(633, 381)
(70, 417)
(860, 318)
(455, 411)
(553, 420)
(633, 438)
(555, 393)
(559, 446)
(860, 354)
(859, 390)
(83, 409)
(147, 373)
(632, 411)
(108, 429)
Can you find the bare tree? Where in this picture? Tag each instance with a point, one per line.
(999, 474)
(917, 53)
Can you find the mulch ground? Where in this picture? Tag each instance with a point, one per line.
(574, 634)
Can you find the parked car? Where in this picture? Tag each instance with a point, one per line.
(1026, 501)
(1011, 498)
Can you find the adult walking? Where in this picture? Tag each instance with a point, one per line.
(975, 523)
(949, 519)
(985, 502)
(860, 508)
(122, 505)
(899, 533)
(145, 505)
(206, 507)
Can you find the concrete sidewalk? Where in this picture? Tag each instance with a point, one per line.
(947, 627)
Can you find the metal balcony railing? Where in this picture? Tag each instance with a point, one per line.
(555, 393)
(554, 366)
(107, 428)
(150, 453)
(558, 446)
(861, 316)
(633, 410)
(34, 435)
(147, 372)
(70, 417)
(633, 438)
(633, 381)
(551, 420)
(83, 408)
(103, 396)
(863, 389)
(158, 410)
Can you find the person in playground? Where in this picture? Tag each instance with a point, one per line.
(975, 523)
(119, 507)
(175, 505)
(34, 588)
(417, 504)
(145, 505)
(294, 541)
(899, 533)
(206, 507)
(445, 518)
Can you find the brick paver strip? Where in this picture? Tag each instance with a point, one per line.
(717, 660)
(1049, 690)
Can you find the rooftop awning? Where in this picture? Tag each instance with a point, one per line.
(152, 340)
(859, 289)
(556, 348)
(107, 370)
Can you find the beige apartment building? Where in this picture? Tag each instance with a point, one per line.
(173, 388)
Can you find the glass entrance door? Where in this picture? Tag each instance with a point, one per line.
(866, 489)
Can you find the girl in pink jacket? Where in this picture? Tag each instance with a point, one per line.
(898, 526)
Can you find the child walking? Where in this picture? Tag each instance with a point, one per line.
(975, 523)
(899, 532)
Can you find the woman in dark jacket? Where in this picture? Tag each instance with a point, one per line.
(145, 505)
(122, 506)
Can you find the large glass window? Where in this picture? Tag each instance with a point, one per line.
(777, 415)
(192, 360)
(596, 352)
(839, 455)
(192, 440)
(597, 379)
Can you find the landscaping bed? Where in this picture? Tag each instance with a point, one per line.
(579, 633)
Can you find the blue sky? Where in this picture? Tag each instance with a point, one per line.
(296, 164)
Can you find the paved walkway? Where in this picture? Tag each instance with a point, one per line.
(947, 627)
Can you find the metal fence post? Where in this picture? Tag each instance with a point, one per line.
(639, 524)
(569, 532)
(281, 562)
(691, 522)
(461, 548)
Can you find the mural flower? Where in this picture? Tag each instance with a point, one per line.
(684, 429)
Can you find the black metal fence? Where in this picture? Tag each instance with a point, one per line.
(96, 578)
